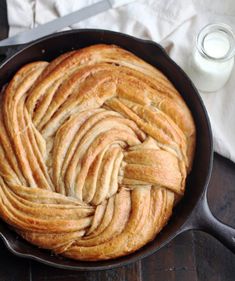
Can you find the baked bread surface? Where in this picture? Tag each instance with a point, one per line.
(95, 148)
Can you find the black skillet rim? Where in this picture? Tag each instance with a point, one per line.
(132, 257)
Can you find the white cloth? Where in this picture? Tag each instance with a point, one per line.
(174, 23)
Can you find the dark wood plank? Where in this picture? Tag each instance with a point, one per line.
(128, 273)
(13, 268)
(221, 193)
(215, 262)
(174, 262)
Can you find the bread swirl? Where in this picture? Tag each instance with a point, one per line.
(95, 148)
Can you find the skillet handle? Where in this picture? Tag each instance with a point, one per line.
(7, 51)
(204, 220)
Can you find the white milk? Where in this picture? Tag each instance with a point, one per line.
(212, 61)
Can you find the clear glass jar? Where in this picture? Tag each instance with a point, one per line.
(212, 59)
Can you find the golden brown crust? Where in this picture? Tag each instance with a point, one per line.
(95, 148)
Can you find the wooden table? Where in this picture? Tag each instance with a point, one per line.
(192, 256)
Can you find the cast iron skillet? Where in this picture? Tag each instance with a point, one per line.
(193, 211)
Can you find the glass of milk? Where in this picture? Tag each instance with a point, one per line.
(213, 57)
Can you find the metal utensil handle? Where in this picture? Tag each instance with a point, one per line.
(57, 24)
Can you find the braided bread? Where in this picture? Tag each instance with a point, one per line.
(95, 148)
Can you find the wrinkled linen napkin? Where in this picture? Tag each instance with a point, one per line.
(172, 23)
